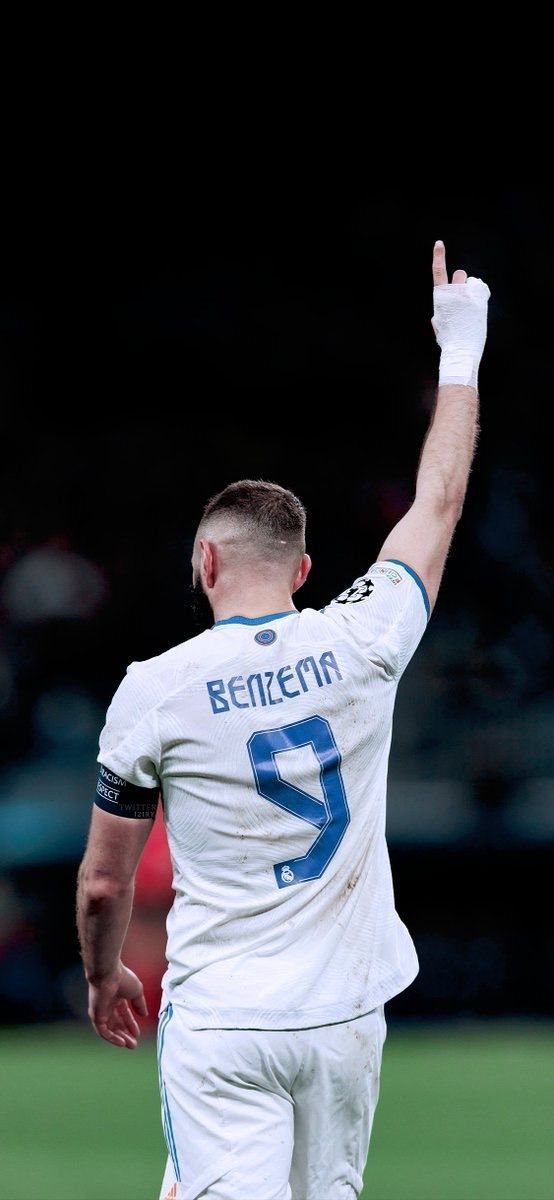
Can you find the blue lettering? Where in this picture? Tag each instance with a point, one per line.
(216, 688)
(261, 693)
(301, 679)
(269, 676)
(306, 664)
(258, 690)
(234, 687)
(283, 676)
(328, 660)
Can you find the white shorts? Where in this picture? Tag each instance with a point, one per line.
(267, 1114)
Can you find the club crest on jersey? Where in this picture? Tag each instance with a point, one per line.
(286, 874)
(360, 590)
(265, 637)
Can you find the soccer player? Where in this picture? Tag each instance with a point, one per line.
(268, 737)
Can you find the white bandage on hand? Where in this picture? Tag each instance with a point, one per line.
(460, 324)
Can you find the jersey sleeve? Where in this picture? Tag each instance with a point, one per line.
(385, 612)
(129, 756)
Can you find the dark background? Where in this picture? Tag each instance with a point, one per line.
(155, 348)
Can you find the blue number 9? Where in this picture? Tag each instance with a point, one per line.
(331, 817)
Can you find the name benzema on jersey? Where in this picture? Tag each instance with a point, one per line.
(265, 688)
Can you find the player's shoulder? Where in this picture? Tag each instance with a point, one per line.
(148, 681)
(166, 669)
(394, 582)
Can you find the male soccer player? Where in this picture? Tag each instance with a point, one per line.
(268, 737)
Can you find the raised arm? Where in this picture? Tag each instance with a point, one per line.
(422, 538)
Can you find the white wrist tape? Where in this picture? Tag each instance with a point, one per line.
(460, 324)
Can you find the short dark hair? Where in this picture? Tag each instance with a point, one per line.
(277, 515)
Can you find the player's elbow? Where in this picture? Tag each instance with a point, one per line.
(99, 889)
(446, 504)
(453, 505)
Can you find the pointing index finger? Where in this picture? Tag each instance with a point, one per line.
(440, 275)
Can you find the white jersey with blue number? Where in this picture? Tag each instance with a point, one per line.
(269, 739)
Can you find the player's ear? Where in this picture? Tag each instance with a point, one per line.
(302, 573)
(208, 566)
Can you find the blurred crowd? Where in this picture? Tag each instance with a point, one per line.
(55, 620)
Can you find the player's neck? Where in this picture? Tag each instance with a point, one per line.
(252, 602)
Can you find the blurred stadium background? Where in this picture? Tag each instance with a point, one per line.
(140, 372)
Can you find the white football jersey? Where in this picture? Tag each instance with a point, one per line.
(269, 739)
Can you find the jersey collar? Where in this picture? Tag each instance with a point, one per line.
(291, 612)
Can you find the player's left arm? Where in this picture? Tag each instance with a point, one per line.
(124, 809)
(421, 539)
(104, 904)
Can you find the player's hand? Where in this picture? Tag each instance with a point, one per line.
(459, 321)
(113, 1006)
(440, 274)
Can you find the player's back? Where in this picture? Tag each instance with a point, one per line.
(270, 739)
